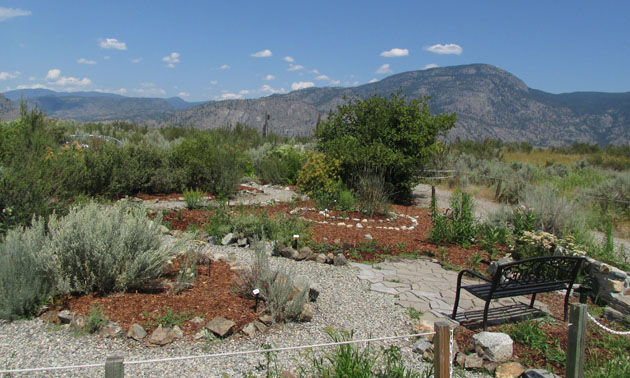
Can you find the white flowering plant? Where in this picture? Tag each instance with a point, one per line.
(540, 243)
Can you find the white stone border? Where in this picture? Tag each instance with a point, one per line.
(356, 222)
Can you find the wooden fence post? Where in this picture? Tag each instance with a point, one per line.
(442, 350)
(433, 201)
(577, 337)
(498, 192)
(114, 367)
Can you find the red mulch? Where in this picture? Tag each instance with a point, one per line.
(212, 295)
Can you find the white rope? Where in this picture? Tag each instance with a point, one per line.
(282, 349)
(606, 328)
(67, 367)
(450, 352)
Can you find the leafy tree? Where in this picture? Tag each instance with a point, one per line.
(392, 137)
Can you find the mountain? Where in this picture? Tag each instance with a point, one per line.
(8, 110)
(489, 102)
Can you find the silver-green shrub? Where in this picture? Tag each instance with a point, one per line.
(555, 213)
(107, 248)
(614, 192)
(285, 300)
(27, 271)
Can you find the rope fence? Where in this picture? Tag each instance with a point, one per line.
(114, 365)
(609, 330)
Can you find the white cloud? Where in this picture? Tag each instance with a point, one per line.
(262, 54)
(121, 91)
(170, 60)
(449, 48)
(32, 78)
(224, 67)
(183, 94)
(9, 75)
(136, 60)
(243, 92)
(322, 77)
(112, 43)
(301, 85)
(149, 89)
(107, 57)
(34, 86)
(395, 53)
(6, 13)
(315, 71)
(430, 65)
(53, 74)
(384, 69)
(289, 59)
(374, 80)
(335, 82)
(231, 96)
(214, 82)
(69, 81)
(86, 61)
(268, 89)
(295, 67)
(269, 77)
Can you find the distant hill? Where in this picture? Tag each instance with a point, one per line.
(489, 102)
(8, 109)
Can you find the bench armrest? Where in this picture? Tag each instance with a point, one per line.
(474, 274)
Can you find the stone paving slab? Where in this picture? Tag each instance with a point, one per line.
(426, 286)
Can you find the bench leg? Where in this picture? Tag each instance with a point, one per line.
(485, 315)
(455, 305)
(531, 304)
(566, 304)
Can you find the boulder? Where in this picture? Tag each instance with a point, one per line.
(78, 322)
(260, 327)
(321, 258)
(538, 373)
(473, 361)
(509, 370)
(250, 330)
(136, 332)
(241, 242)
(307, 313)
(368, 236)
(111, 329)
(177, 332)
(65, 316)
(161, 336)
(304, 253)
(289, 253)
(422, 346)
(460, 359)
(220, 326)
(200, 335)
(493, 346)
(424, 326)
(228, 239)
(266, 319)
(340, 260)
(198, 321)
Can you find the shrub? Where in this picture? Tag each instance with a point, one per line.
(372, 194)
(95, 320)
(281, 165)
(192, 197)
(346, 201)
(104, 249)
(554, 213)
(393, 133)
(458, 226)
(319, 176)
(284, 300)
(27, 271)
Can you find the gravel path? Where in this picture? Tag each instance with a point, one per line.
(345, 302)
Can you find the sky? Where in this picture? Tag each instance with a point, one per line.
(214, 50)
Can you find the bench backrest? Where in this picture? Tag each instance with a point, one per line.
(538, 270)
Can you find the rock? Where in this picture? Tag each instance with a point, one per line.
(266, 319)
(509, 370)
(136, 332)
(538, 373)
(260, 327)
(307, 313)
(198, 321)
(422, 346)
(287, 374)
(289, 253)
(250, 330)
(368, 236)
(473, 361)
(330, 257)
(321, 258)
(41, 310)
(164, 229)
(111, 329)
(460, 359)
(65, 316)
(492, 268)
(199, 335)
(220, 326)
(340, 260)
(424, 326)
(228, 239)
(615, 286)
(177, 332)
(212, 240)
(304, 253)
(337, 241)
(78, 322)
(493, 346)
(359, 225)
(241, 242)
(161, 336)
(490, 366)
(313, 292)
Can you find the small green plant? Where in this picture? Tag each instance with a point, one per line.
(168, 318)
(95, 320)
(401, 246)
(187, 273)
(413, 313)
(192, 197)
(372, 194)
(474, 260)
(346, 201)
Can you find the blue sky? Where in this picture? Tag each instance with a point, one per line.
(209, 50)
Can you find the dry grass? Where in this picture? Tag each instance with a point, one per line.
(542, 158)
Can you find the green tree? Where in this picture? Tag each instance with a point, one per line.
(392, 137)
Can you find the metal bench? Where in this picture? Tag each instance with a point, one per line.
(528, 276)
